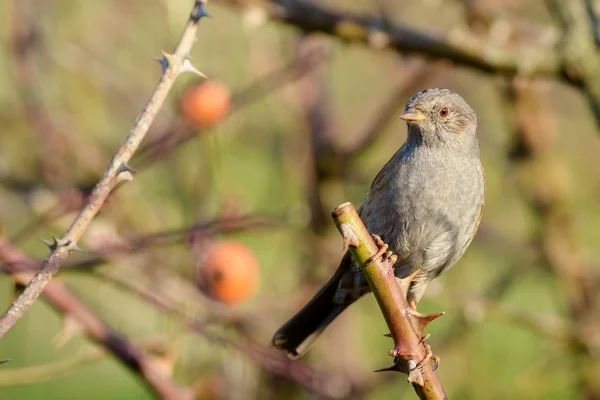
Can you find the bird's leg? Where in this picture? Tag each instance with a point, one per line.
(418, 321)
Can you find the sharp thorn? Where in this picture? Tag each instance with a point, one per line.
(350, 238)
(48, 243)
(405, 282)
(166, 60)
(199, 12)
(126, 167)
(188, 67)
(75, 247)
(394, 367)
(61, 242)
(420, 321)
(56, 242)
(163, 61)
(387, 335)
(123, 176)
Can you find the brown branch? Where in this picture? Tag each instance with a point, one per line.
(270, 360)
(405, 326)
(131, 355)
(49, 371)
(118, 171)
(140, 242)
(463, 48)
(128, 353)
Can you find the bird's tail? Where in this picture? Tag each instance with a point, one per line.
(296, 335)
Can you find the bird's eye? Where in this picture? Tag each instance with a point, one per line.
(444, 112)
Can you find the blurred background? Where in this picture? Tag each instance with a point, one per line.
(312, 92)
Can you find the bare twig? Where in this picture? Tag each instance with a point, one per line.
(45, 372)
(461, 47)
(270, 360)
(140, 242)
(405, 327)
(118, 171)
(128, 353)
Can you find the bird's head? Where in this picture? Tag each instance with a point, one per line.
(440, 117)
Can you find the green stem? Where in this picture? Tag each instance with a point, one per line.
(380, 275)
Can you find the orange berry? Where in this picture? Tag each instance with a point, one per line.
(206, 103)
(228, 271)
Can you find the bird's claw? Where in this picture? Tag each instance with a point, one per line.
(383, 253)
(390, 257)
(382, 249)
(429, 356)
(378, 241)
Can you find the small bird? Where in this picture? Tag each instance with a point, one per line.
(426, 203)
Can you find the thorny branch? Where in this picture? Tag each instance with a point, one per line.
(181, 133)
(118, 171)
(575, 58)
(572, 58)
(406, 326)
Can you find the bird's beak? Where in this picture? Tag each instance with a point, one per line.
(413, 115)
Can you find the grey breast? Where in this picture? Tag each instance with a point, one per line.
(432, 210)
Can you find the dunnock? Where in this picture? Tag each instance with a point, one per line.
(426, 204)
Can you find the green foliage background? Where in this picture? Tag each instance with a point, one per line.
(94, 72)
